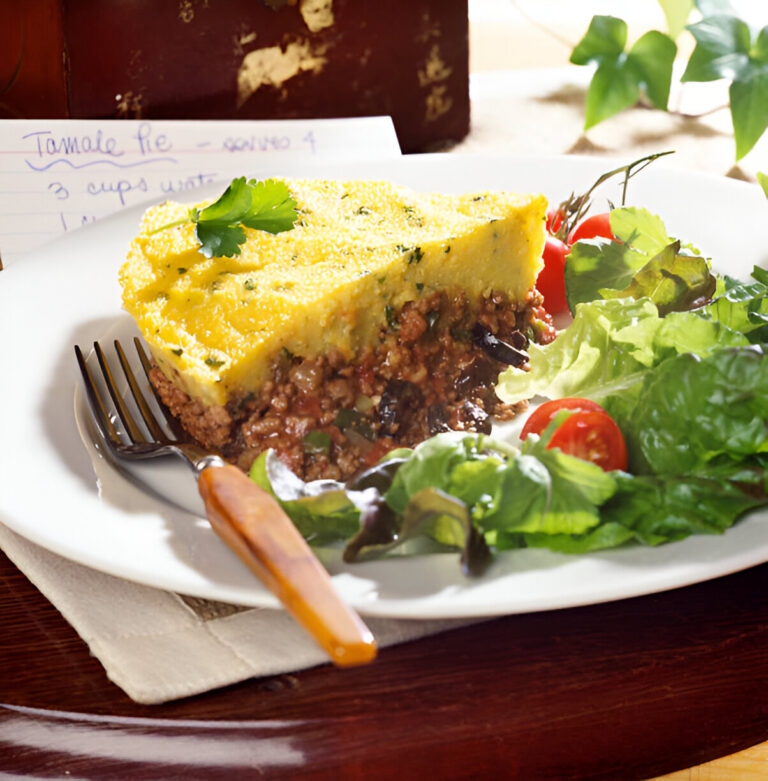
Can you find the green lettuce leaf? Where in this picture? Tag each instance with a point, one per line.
(643, 262)
(536, 490)
(742, 307)
(673, 281)
(608, 349)
(694, 412)
(323, 510)
(659, 509)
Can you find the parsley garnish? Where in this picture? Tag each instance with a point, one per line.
(261, 205)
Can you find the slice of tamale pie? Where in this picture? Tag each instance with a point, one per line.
(382, 316)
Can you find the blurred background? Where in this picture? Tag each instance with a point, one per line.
(462, 75)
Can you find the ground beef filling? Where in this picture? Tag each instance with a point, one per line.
(434, 369)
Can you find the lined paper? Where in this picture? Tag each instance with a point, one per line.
(57, 175)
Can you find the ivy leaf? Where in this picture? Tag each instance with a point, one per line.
(652, 58)
(613, 88)
(763, 179)
(676, 13)
(715, 7)
(760, 49)
(749, 108)
(724, 50)
(620, 75)
(605, 38)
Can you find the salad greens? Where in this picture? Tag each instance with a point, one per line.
(645, 261)
(672, 352)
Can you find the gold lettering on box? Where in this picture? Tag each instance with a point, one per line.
(128, 105)
(438, 103)
(434, 69)
(272, 66)
(317, 14)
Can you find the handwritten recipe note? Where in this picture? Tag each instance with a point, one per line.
(57, 175)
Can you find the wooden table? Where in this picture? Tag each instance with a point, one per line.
(629, 689)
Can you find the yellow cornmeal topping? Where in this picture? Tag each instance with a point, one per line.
(360, 250)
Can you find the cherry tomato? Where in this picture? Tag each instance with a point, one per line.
(555, 218)
(589, 433)
(592, 436)
(540, 418)
(596, 225)
(551, 279)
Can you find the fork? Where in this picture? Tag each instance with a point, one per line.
(245, 516)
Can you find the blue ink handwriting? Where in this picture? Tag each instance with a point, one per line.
(120, 188)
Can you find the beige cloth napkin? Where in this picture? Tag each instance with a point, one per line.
(160, 646)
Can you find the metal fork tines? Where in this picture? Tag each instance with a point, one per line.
(160, 434)
(245, 516)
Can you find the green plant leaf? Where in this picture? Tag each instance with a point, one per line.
(231, 205)
(651, 58)
(676, 13)
(760, 49)
(616, 83)
(749, 107)
(613, 88)
(260, 205)
(605, 39)
(722, 49)
(763, 180)
(715, 7)
(272, 207)
(219, 240)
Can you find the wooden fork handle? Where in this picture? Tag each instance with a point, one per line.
(258, 530)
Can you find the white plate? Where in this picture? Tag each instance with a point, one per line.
(63, 495)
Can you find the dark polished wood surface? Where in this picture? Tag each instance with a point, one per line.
(628, 689)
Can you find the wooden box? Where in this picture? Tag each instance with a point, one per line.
(241, 59)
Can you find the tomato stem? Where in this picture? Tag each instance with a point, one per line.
(575, 207)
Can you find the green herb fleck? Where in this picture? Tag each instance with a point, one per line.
(415, 256)
(177, 351)
(411, 215)
(317, 442)
(419, 286)
(353, 420)
(389, 313)
(213, 362)
(181, 270)
(249, 284)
